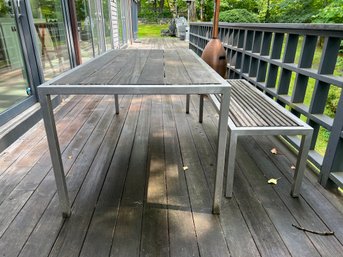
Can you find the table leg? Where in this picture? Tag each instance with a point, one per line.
(55, 153)
(221, 150)
(116, 102)
(201, 108)
(231, 163)
(301, 164)
(188, 99)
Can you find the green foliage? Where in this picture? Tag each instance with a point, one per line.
(332, 101)
(48, 9)
(152, 17)
(151, 12)
(4, 8)
(238, 16)
(81, 9)
(333, 13)
(249, 5)
(289, 11)
(150, 30)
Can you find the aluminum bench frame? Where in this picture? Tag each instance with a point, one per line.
(253, 113)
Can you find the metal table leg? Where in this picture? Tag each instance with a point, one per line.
(221, 150)
(116, 102)
(55, 153)
(188, 99)
(301, 163)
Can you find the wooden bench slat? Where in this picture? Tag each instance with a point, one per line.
(237, 115)
(252, 113)
(258, 108)
(248, 109)
(280, 118)
(268, 106)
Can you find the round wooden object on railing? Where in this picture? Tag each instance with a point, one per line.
(214, 53)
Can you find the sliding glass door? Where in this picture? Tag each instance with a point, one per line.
(14, 85)
(39, 45)
(51, 36)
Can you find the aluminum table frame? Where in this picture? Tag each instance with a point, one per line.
(47, 89)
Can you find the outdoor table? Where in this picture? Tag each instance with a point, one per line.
(136, 72)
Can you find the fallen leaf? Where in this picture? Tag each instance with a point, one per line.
(185, 168)
(273, 181)
(293, 167)
(273, 151)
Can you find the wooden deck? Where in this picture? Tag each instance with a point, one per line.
(131, 195)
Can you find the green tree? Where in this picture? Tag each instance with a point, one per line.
(333, 13)
(81, 9)
(238, 16)
(4, 8)
(249, 5)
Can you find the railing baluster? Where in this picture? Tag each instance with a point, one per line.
(265, 49)
(288, 57)
(305, 61)
(255, 50)
(333, 161)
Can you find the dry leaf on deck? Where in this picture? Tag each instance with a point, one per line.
(273, 151)
(273, 181)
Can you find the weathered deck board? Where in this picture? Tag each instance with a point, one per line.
(238, 236)
(107, 204)
(146, 195)
(51, 216)
(276, 209)
(86, 199)
(128, 188)
(21, 227)
(182, 235)
(26, 143)
(155, 241)
(200, 197)
(127, 233)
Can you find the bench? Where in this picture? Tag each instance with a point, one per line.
(254, 113)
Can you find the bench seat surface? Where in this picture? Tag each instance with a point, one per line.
(250, 108)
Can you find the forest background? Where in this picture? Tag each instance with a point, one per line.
(159, 13)
(268, 11)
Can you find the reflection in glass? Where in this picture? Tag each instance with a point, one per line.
(13, 81)
(107, 23)
(94, 20)
(48, 21)
(120, 23)
(85, 29)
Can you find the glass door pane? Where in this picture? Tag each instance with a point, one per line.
(13, 79)
(94, 21)
(107, 22)
(85, 29)
(51, 36)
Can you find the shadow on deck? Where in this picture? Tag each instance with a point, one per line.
(132, 195)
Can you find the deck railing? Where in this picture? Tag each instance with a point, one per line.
(296, 64)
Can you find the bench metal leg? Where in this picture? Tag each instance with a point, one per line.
(116, 102)
(231, 163)
(188, 99)
(55, 153)
(221, 151)
(201, 108)
(301, 164)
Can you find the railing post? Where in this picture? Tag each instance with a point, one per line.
(333, 159)
(321, 88)
(254, 52)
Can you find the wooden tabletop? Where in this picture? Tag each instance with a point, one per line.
(142, 67)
